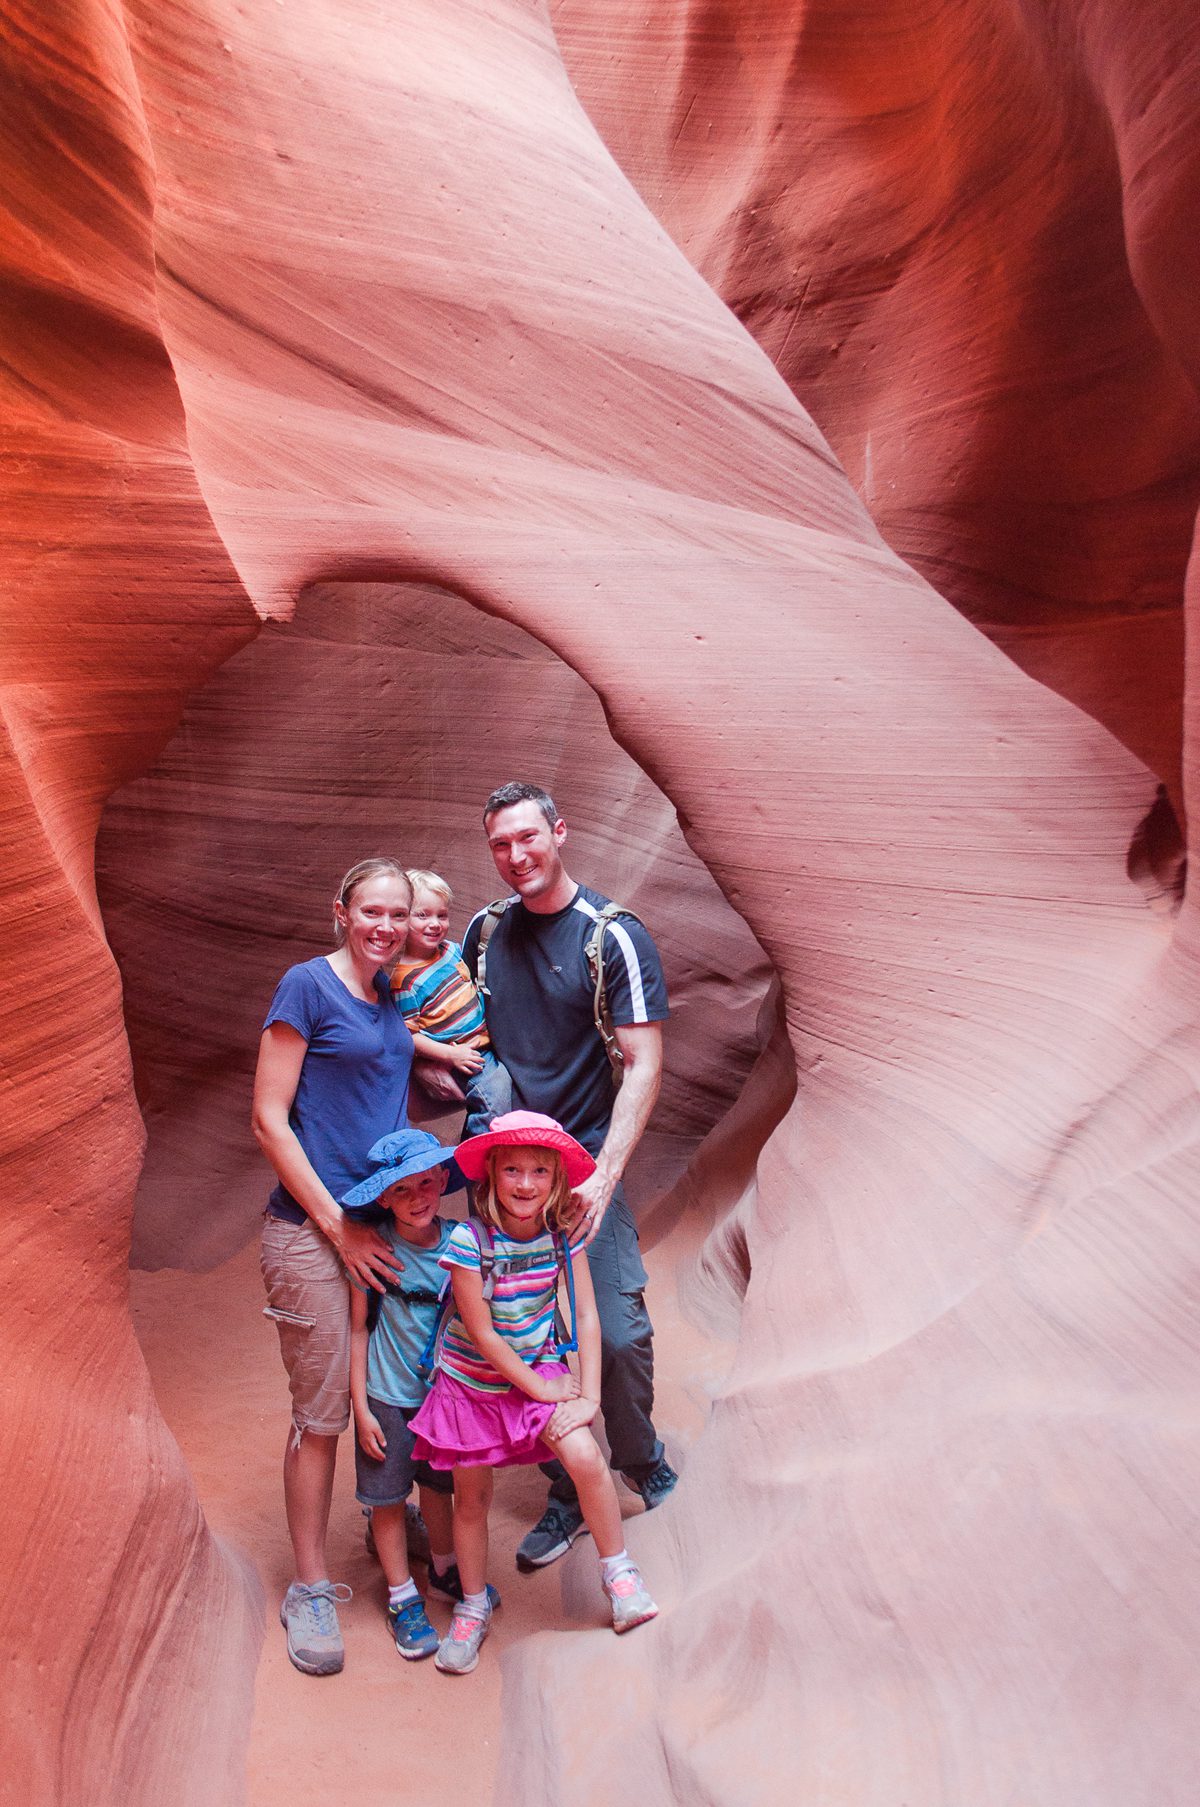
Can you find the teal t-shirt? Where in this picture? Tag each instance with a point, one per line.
(407, 1314)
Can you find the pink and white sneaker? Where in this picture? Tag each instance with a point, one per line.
(631, 1603)
(458, 1652)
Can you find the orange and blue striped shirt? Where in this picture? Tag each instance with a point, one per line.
(438, 998)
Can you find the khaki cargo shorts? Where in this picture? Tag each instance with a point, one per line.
(308, 1296)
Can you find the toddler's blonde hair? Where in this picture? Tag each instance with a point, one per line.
(429, 881)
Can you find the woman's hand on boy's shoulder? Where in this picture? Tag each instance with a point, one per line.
(365, 1255)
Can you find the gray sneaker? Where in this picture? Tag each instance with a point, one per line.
(655, 1487)
(458, 1652)
(314, 1637)
(630, 1599)
(556, 1530)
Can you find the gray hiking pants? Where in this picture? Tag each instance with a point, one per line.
(626, 1352)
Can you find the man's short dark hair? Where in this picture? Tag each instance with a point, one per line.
(519, 792)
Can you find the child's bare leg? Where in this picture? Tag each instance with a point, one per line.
(581, 1456)
(472, 1500)
(391, 1543)
(437, 1509)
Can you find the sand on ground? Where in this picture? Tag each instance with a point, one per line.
(384, 1729)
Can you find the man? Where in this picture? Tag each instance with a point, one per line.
(540, 1017)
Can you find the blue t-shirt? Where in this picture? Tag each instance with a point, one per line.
(408, 1311)
(539, 1011)
(354, 1081)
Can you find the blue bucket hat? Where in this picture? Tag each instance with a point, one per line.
(398, 1157)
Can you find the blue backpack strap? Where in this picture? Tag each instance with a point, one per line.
(564, 1256)
(428, 1355)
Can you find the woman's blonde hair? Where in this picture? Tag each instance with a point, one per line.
(487, 1204)
(358, 875)
(428, 881)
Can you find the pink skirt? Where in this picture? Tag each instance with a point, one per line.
(458, 1427)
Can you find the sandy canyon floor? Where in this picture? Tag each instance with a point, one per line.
(316, 1742)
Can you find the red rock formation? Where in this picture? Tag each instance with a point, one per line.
(132, 1608)
(934, 1544)
(919, 215)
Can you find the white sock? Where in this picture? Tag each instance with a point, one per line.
(612, 1566)
(477, 1604)
(439, 1562)
(407, 1590)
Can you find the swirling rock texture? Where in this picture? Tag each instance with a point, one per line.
(935, 1544)
(112, 1585)
(931, 219)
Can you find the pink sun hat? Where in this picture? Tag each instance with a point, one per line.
(525, 1129)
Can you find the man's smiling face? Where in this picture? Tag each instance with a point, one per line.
(527, 851)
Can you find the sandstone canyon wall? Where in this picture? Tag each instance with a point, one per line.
(295, 297)
(106, 1556)
(931, 220)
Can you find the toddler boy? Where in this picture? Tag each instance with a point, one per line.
(443, 1008)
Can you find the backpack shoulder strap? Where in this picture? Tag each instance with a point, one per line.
(487, 1261)
(566, 1347)
(487, 1253)
(593, 953)
(487, 928)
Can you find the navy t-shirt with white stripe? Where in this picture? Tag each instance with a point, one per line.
(539, 1013)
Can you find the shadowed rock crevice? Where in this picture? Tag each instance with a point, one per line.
(1158, 855)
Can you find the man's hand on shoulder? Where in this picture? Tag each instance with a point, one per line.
(591, 1199)
(641, 1048)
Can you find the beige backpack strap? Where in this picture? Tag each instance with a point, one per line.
(487, 929)
(593, 953)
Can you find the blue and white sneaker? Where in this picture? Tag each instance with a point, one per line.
(414, 1635)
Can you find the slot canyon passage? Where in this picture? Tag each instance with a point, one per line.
(378, 717)
(817, 383)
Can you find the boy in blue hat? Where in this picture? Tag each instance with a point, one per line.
(387, 1382)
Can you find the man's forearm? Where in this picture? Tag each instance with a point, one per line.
(631, 1113)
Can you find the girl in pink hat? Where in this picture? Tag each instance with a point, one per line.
(502, 1393)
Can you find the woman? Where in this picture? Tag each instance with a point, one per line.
(333, 1071)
